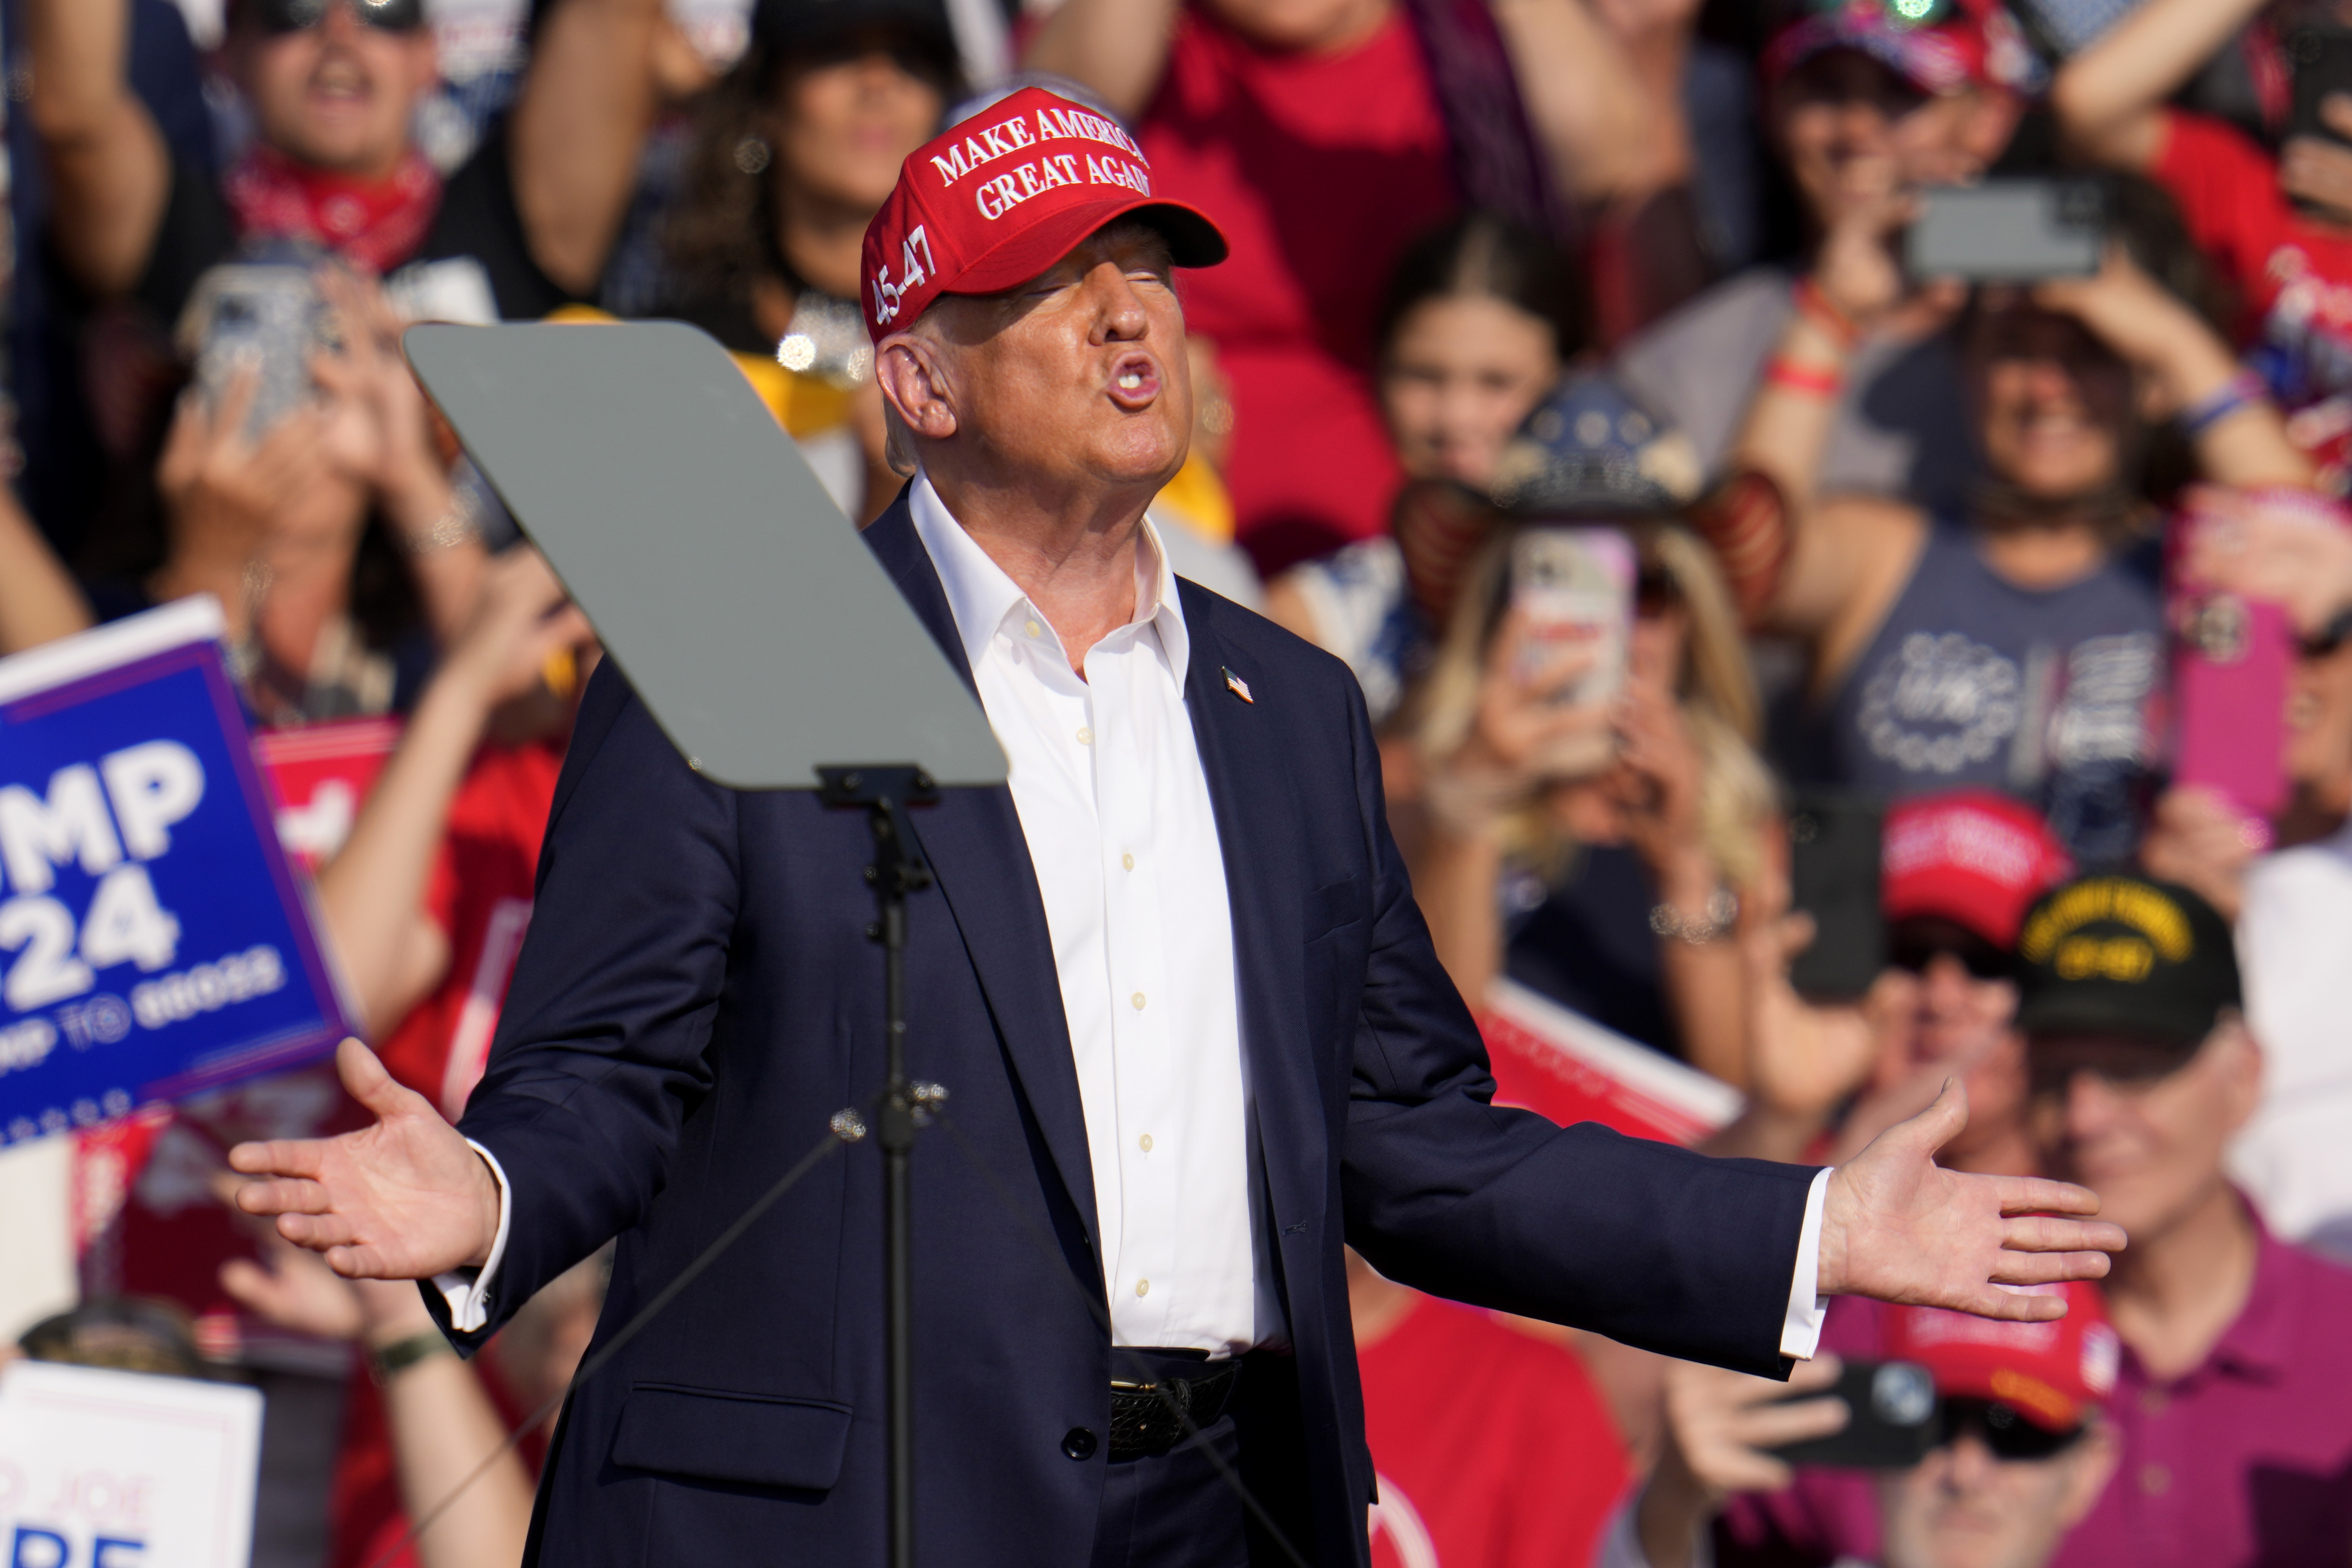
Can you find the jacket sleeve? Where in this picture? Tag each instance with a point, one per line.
(600, 1049)
(1646, 1242)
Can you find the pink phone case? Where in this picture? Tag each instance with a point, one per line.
(2231, 661)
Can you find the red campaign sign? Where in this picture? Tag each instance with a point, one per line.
(319, 774)
(1566, 1068)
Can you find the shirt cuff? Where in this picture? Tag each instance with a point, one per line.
(467, 1290)
(1800, 1329)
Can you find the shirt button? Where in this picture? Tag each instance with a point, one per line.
(1036, 630)
(1086, 735)
(1143, 1287)
(1137, 1001)
(1078, 1442)
(2155, 1480)
(1144, 1143)
(1127, 861)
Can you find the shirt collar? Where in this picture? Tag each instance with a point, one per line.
(982, 597)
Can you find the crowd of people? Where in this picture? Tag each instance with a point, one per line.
(1525, 297)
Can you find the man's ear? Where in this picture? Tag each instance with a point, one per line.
(2242, 1081)
(915, 384)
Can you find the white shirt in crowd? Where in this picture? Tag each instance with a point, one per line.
(2295, 1156)
(1108, 782)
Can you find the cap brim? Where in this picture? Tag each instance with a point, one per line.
(2078, 1012)
(1192, 241)
(806, 26)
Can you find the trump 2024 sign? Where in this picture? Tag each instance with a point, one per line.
(153, 943)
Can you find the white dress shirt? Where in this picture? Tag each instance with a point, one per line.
(1108, 781)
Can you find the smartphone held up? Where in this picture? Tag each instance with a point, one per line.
(2010, 231)
(1572, 590)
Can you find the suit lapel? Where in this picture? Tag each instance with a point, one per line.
(974, 842)
(1256, 799)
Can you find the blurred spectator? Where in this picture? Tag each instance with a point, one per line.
(1481, 318)
(333, 87)
(2234, 1408)
(443, 1418)
(1959, 870)
(1595, 851)
(427, 900)
(1858, 98)
(2278, 228)
(2293, 906)
(789, 155)
(1323, 137)
(1492, 1448)
(125, 1333)
(49, 442)
(2018, 647)
(2024, 1450)
(328, 617)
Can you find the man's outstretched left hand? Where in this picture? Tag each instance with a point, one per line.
(1900, 1228)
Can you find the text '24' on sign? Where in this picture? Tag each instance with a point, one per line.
(153, 942)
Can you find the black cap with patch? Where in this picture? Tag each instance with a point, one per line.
(2125, 955)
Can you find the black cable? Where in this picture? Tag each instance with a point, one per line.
(596, 1363)
(1101, 1312)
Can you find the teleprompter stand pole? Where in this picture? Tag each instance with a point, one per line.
(886, 792)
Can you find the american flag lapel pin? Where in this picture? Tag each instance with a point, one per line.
(1238, 687)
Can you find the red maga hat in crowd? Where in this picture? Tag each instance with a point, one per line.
(1004, 195)
(1937, 46)
(2049, 1373)
(1969, 856)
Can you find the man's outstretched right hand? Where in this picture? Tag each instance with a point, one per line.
(403, 1198)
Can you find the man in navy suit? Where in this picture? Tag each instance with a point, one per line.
(1175, 979)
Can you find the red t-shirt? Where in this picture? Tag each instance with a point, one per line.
(1320, 169)
(1492, 1448)
(2294, 275)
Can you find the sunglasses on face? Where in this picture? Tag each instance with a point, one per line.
(2324, 643)
(2006, 1435)
(2126, 1069)
(278, 18)
(1982, 960)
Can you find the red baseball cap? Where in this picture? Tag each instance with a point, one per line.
(2047, 1373)
(1002, 196)
(1969, 856)
(1937, 46)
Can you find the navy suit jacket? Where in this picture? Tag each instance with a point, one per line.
(698, 996)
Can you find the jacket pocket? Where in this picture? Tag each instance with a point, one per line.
(712, 1435)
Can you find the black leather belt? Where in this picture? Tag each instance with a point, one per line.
(1142, 1424)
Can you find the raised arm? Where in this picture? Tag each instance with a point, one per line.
(110, 172)
(600, 72)
(1602, 80)
(372, 892)
(39, 600)
(1117, 49)
(1846, 558)
(2110, 98)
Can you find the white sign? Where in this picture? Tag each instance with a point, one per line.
(119, 1470)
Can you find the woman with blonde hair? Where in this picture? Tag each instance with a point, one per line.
(1593, 850)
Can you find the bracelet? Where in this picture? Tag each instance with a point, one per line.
(2242, 391)
(1722, 914)
(392, 1360)
(1822, 311)
(1812, 380)
(457, 525)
